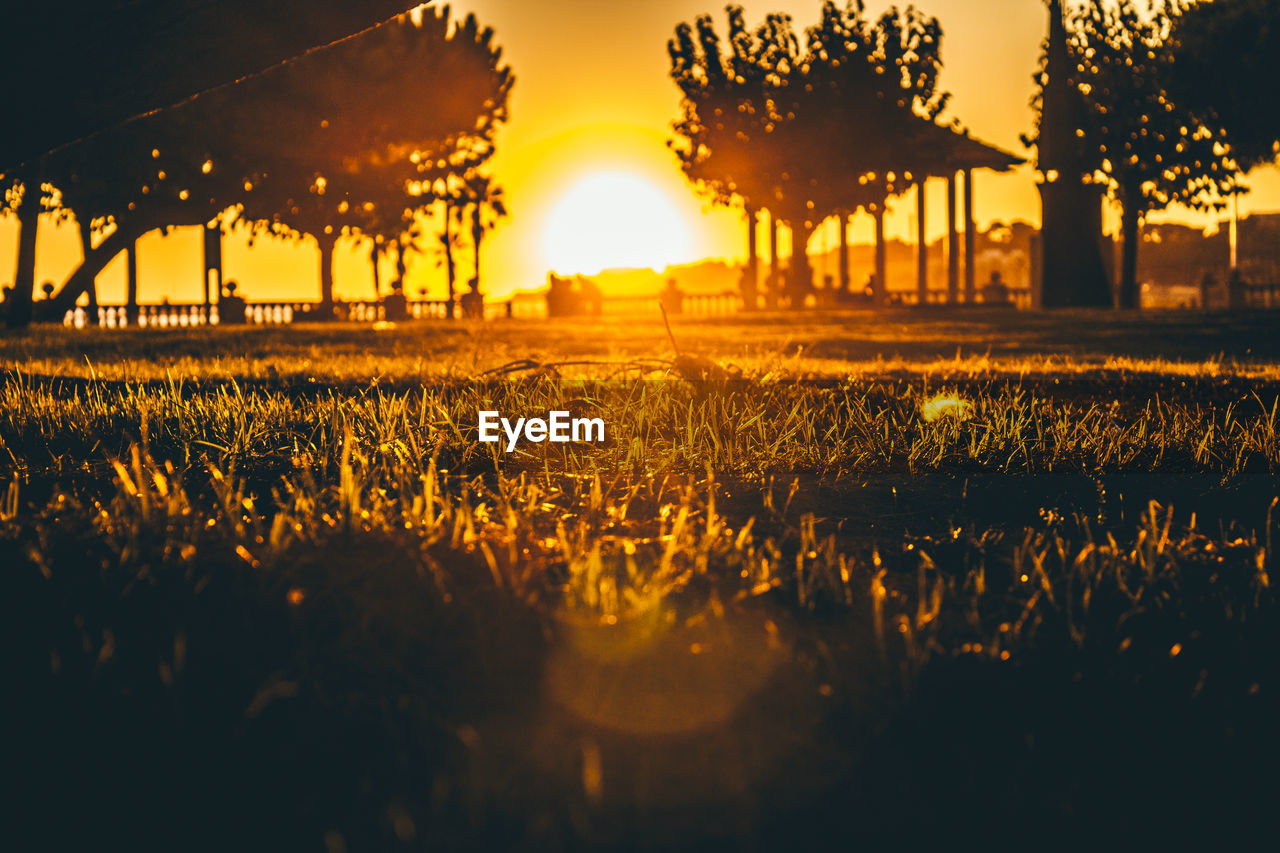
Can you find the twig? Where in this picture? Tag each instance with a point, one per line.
(530, 364)
(667, 323)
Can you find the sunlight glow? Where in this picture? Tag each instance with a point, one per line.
(942, 406)
(614, 220)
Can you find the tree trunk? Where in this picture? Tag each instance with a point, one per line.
(86, 247)
(373, 260)
(477, 237)
(1073, 272)
(753, 263)
(326, 242)
(449, 268)
(24, 280)
(800, 276)
(1129, 263)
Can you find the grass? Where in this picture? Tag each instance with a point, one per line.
(941, 344)
(751, 429)
(274, 604)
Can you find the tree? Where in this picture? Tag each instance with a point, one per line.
(78, 67)
(25, 199)
(447, 192)
(486, 202)
(370, 186)
(806, 133)
(722, 140)
(369, 121)
(1073, 271)
(1226, 62)
(1153, 152)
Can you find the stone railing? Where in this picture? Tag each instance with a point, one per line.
(1019, 297)
(1262, 295)
(188, 315)
(180, 315)
(698, 304)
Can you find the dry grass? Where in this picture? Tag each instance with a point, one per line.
(312, 610)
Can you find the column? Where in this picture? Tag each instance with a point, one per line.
(131, 283)
(844, 251)
(882, 260)
(970, 274)
(953, 243)
(922, 246)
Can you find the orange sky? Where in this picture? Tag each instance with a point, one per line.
(592, 95)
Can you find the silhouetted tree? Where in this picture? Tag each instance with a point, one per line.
(1226, 62)
(485, 203)
(805, 132)
(76, 67)
(444, 93)
(1153, 152)
(346, 139)
(718, 139)
(449, 196)
(1073, 271)
(82, 68)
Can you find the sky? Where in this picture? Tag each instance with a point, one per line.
(590, 115)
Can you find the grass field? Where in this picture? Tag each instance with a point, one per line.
(828, 582)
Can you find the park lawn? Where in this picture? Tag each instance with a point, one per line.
(828, 580)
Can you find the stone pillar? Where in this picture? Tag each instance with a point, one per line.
(970, 240)
(882, 261)
(212, 263)
(953, 241)
(131, 283)
(922, 246)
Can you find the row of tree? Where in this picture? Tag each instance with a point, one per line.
(1174, 106)
(808, 131)
(1175, 101)
(359, 138)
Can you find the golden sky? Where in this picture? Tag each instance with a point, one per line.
(591, 110)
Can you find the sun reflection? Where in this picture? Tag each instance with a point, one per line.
(946, 406)
(658, 674)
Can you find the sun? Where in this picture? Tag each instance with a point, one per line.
(616, 219)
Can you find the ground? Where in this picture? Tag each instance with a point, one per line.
(829, 580)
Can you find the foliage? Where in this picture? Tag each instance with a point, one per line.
(486, 203)
(1154, 152)
(1226, 59)
(807, 132)
(111, 62)
(345, 139)
(804, 130)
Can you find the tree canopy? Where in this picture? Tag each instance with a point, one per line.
(807, 131)
(76, 67)
(350, 138)
(1150, 151)
(1225, 64)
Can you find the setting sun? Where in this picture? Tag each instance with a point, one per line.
(610, 220)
